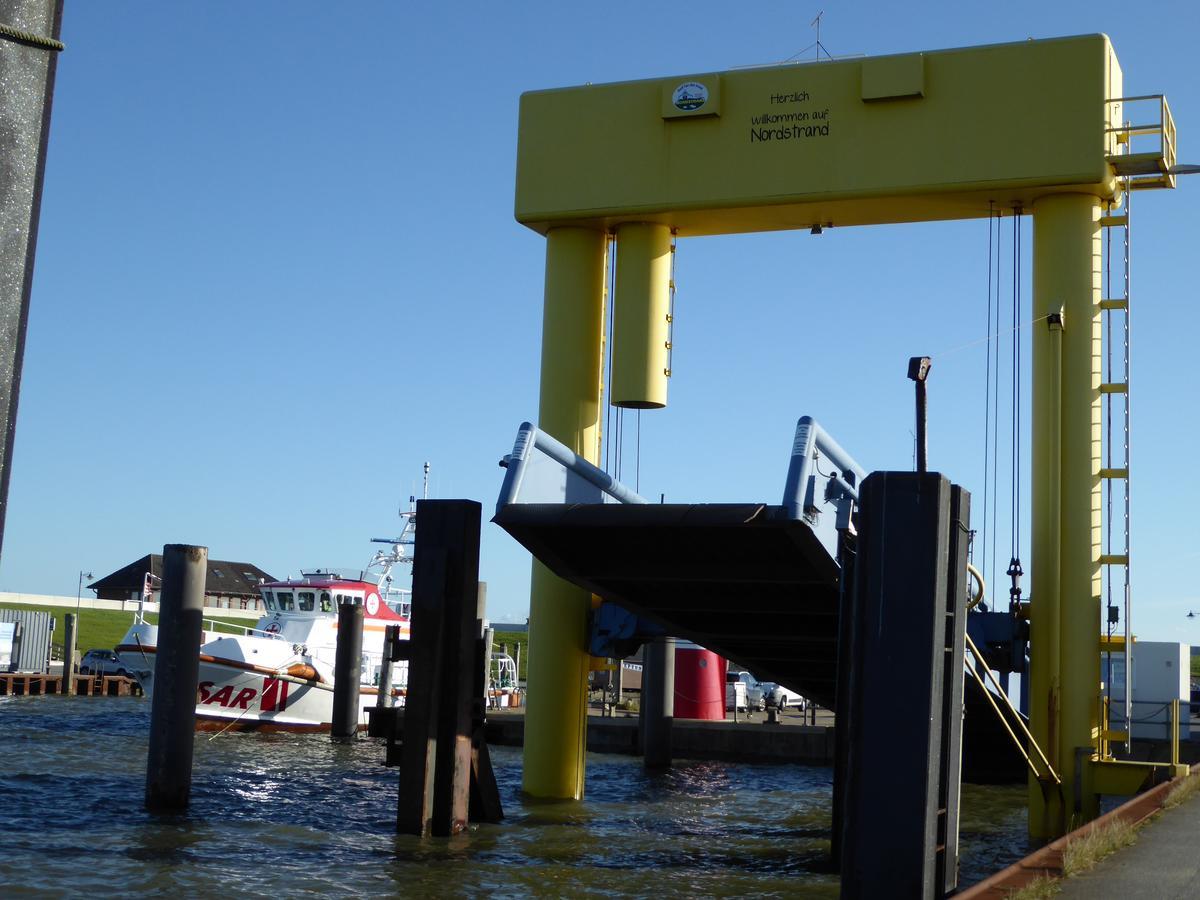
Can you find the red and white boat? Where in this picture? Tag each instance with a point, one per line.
(278, 675)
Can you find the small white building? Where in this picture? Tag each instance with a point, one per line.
(1161, 673)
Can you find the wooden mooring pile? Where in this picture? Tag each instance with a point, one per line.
(34, 684)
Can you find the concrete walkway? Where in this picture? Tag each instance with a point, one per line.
(1164, 863)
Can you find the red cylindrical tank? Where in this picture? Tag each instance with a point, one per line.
(699, 682)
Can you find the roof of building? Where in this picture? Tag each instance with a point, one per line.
(224, 577)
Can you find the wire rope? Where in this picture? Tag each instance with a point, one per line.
(996, 408)
(987, 391)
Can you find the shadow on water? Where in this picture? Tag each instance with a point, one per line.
(301, 814)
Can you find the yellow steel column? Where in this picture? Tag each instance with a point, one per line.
(569, 410)
(1066, 277)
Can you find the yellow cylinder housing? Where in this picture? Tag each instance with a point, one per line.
(641, 313)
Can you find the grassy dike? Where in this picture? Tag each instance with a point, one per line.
(98, 628)
(512, 639)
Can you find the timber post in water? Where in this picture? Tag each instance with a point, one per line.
(391, 636)
(442, 761)
(176, 672)
(70, 654)
(347, 671)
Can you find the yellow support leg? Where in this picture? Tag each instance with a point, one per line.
(1065, 621)
(572, 328)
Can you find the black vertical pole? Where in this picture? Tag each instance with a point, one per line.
(347, 671)
(176, 673)
(918, 371)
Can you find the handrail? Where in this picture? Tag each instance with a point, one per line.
(810, 441)
(245, 629)
(1032, 741)
(529, 437)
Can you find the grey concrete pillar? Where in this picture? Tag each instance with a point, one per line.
(658, 702)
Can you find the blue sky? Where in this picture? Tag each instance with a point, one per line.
(278, 270)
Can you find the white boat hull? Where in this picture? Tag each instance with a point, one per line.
(241, 696)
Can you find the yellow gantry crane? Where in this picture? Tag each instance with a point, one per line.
(1036, 126)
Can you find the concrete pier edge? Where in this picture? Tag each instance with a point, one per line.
(1047, 861)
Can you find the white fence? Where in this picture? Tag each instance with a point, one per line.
(7, 597)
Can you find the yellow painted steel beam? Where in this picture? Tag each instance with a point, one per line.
(572, 329)
(1121, 777)
(848, 142)
(1114, 643)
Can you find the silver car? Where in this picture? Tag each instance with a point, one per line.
(102, 662)
(754, 691)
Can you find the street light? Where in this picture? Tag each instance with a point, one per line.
(79, 592)
(78, 595)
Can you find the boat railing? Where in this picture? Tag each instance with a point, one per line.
(220, 627)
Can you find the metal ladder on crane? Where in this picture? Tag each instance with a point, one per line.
(1142, 153)
(1114, 388)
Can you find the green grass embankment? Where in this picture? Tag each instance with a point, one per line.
(513, 639)
(98, 628)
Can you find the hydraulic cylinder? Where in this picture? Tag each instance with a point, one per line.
(641, 316)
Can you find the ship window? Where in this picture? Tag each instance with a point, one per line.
(306, 600)
(284, 598)
(267, 600)
(326, 603)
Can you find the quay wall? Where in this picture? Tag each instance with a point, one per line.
(690, 739)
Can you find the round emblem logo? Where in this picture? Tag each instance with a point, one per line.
(273, 628)
(373, 605)
(690, 96)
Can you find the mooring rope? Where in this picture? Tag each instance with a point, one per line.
(29, 39)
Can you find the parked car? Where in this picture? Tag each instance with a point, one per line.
(782, 698)
(102, 662)
(753, 691)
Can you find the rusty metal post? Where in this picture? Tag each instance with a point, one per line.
(176, 673)
(347, 672)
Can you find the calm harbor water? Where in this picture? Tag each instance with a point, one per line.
(277, 814)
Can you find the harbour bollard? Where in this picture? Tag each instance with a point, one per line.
(70, 654)
(347, 668)
(176, 673)
(658, 687)
(385, 699)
